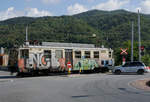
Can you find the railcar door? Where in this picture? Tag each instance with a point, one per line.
(24, 55)
(13, 60)
(1, 60)
(68, 56)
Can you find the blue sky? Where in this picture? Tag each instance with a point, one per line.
(37, 8)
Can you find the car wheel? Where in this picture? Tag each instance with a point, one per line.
(140, 71)
(117, 72)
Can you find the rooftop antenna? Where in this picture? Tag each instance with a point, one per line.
(139, 30)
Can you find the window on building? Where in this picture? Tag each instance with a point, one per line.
(87, 54)
(77, 54)
(96, 54)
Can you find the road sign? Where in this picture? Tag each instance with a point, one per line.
(69, 64)
(123, 60)
(69, 67)
(124, 51)
(142, 50)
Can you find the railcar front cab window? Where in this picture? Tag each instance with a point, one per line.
(24, 53)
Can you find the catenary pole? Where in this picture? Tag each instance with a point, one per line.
(139, 30)
(26, 33)
(132, 42)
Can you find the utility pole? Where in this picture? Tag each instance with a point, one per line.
(26, 33)
(26, 42)
(132, 41)
(139, 30)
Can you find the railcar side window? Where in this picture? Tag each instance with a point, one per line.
(59, 54)
(77, 54)
(47, 53)
(24, 53)
(96, 54)
(87, 54)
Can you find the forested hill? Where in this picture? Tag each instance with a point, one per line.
(112, 29)
(116, 25)
(109, 26)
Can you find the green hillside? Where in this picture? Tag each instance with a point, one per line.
(112, 29)
(116, 25)
(58, 29)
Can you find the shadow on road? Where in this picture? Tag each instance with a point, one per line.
(4, 69)
(80, 96)
(123, 74)
(128, 91)
(7, 77)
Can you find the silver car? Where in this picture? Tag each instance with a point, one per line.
(130, 67)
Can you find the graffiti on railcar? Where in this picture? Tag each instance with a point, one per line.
(62, 63)
(39, 60)
(86, 64)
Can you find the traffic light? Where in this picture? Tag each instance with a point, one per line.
(142, 50)
(142, 53)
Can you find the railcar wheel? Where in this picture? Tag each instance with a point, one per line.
(117, 72)
(20, 74)
(140, 72)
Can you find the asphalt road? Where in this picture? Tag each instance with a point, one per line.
(75, 88)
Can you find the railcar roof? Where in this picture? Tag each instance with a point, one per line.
(57, 44)
(75, 48)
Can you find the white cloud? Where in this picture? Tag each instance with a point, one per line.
(32, 12)
(111, 5)
(10, 13)
(145, 6)
(76, 8)
(50, 1)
